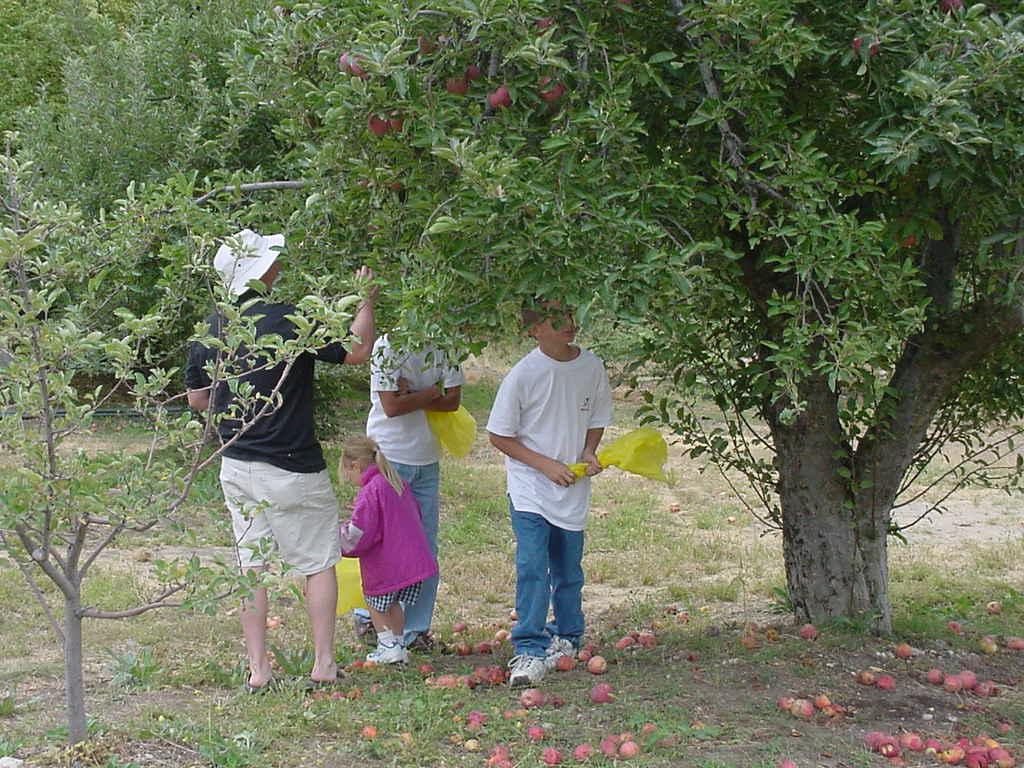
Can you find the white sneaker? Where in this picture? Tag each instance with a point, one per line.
(525, 670)
(559, 647)
(389, 654)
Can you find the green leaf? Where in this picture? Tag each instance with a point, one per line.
(661, 57)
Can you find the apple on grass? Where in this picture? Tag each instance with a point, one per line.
(551, 756)
(809, 632)
(802, 709)
(628, 749)
(904, 651)
(532, 697)
(582, 753)
(602, 693)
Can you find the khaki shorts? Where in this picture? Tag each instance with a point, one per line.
(293, 512)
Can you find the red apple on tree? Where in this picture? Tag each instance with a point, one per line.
(378, 125)
(500, 98)
(473, 73)
(951, 6)
(349, 62)
(457, 85)
(552, 93)
(426, 45)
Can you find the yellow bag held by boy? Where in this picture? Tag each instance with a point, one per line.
(454, 430)
(350, 585)
(642, 452)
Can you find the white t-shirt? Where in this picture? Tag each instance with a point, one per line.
(406, 439)
(549, 405)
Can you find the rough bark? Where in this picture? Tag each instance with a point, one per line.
(832, 568)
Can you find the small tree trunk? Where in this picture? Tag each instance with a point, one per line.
(74, 686)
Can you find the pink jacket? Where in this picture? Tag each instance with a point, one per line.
(386, 534)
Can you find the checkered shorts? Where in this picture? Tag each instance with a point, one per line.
(407, 595)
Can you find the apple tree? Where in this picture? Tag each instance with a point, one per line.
(73, 343)
(809, 214)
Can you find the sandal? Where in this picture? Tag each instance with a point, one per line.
(255, 690)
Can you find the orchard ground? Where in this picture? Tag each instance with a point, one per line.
(687, 562)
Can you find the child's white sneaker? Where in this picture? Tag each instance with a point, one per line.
(559, 647)
(525, 670)
(394, 653)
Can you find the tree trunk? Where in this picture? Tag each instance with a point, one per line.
(74, 686)
(835, 550)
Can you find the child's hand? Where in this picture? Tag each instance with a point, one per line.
(593, 465)
(558, 473)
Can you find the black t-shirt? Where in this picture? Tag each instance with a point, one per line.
(283, 437)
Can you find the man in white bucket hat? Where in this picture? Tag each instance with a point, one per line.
(249, 257)
(273, 473)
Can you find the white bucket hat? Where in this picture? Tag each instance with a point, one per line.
(255, 255)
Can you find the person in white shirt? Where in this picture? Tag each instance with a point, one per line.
(404, 385)
(550, 411)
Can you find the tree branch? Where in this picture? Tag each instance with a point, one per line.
(932, 364)
(88, 612)
(731, 142)
(256, 186)
(37, 591)
(106, 541)
(39, 556)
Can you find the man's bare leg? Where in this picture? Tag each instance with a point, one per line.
(321, 603)
(254, 629)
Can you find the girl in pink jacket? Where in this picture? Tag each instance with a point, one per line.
(386, 535)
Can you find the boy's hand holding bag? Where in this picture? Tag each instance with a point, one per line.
(642, 452)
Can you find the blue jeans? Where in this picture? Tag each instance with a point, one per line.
(549, 571)
(425, 482)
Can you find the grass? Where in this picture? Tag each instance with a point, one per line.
(164, 689)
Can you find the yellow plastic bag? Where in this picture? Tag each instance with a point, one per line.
(642, 452)
(455, 430)
(350, 585)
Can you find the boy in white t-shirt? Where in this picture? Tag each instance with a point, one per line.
(550, 411)
(404, 385)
